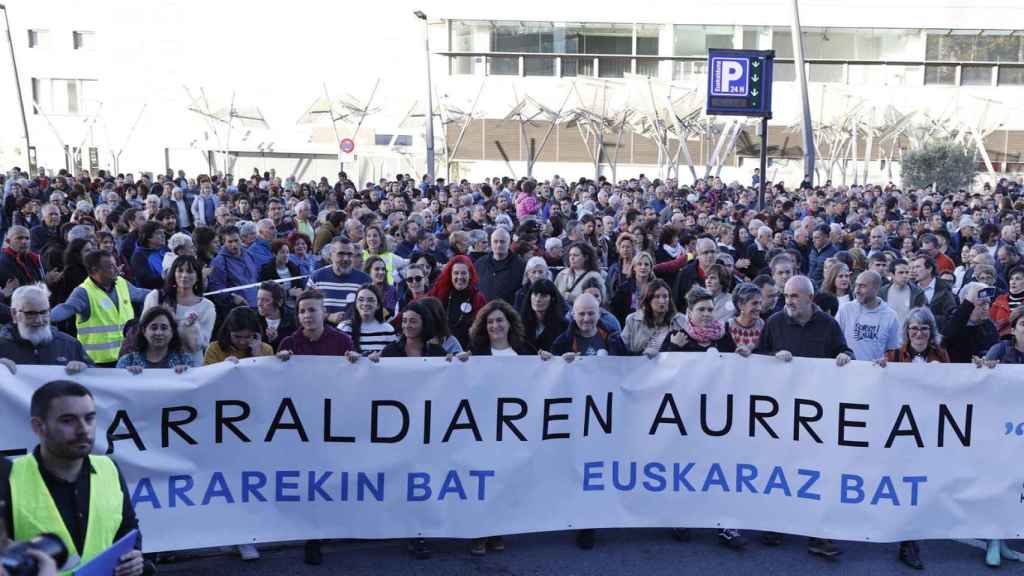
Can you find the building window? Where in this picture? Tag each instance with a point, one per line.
(38, 38)
(647, 39)
(976, 76)
(648, 68)
(940, 75)
(83, 40)
(385, 139)
(64, 96)
(784, 72)
(975, 46)
(828, 73)
(903, 75)
(1011, 76)
(613, 67)
(503, 66)
(691, 71)
(695, 40)
(538, 66)
(532, 37)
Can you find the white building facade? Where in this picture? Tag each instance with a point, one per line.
(524, 88)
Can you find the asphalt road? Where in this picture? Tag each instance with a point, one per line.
(618, 553)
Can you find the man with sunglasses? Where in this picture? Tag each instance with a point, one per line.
(339, 282)
(31, 340)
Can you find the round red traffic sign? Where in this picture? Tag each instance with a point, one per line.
(347, 145)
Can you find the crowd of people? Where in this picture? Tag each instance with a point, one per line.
(172, 271)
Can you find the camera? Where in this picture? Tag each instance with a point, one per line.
(16, 562)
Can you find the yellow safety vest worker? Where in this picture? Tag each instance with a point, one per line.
(102, 334)
(34, 511)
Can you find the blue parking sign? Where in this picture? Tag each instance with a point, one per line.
(740, 82)
(730, 76)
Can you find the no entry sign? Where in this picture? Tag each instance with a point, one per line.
(347, 145)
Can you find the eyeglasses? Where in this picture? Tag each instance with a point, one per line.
(919, 329)
(33, 314)
(343, 253)
(415, 278)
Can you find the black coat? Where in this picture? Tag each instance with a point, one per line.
(723, 344)
(57, 352)
(500, 279)
(687, 277)
(397, 350)
(821, 337)
(963, 341)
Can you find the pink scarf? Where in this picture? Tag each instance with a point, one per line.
(705, 335)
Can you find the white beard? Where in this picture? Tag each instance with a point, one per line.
(36, 336)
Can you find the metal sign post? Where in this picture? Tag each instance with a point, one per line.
(740, 84)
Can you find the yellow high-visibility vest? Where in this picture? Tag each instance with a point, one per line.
(102, 334)
(34, 511)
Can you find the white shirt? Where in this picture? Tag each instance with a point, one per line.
(899, 301)
(506, 352)
(869, 332)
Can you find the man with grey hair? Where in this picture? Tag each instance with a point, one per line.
(501, 272)
(804, 331)
(31, 340)
(871, 327)
(46, 231)
(266, 232)
(83, 231)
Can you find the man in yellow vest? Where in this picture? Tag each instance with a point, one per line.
(61, 489)
(102, 305)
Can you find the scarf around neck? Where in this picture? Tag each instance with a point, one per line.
(705, 335)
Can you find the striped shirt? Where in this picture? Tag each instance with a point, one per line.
(373, 336)
(339, 291)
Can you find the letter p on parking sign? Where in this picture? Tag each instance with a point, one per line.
(730, 76)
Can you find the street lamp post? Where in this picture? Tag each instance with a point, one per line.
(430, 99)
(17, 86)
(801, 77)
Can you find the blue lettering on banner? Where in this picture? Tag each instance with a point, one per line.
(852, 489)
(418, 487)
(805, 490)
(284, 483)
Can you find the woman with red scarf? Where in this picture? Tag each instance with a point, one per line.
(456, 288)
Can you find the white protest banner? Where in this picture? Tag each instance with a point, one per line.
(316, 448)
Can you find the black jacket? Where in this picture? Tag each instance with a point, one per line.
(821, 337)
(60, 350)
(30, 272)
(687, 277)
(566, 342)
(397, 350)
(723, 344)
(963, 341)
(500, 279)
(284, 329)
(269, 271)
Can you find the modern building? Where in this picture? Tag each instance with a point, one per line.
(523, 88)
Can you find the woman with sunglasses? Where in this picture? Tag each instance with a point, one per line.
(414, 286)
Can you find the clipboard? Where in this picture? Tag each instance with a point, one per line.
(106, 562)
